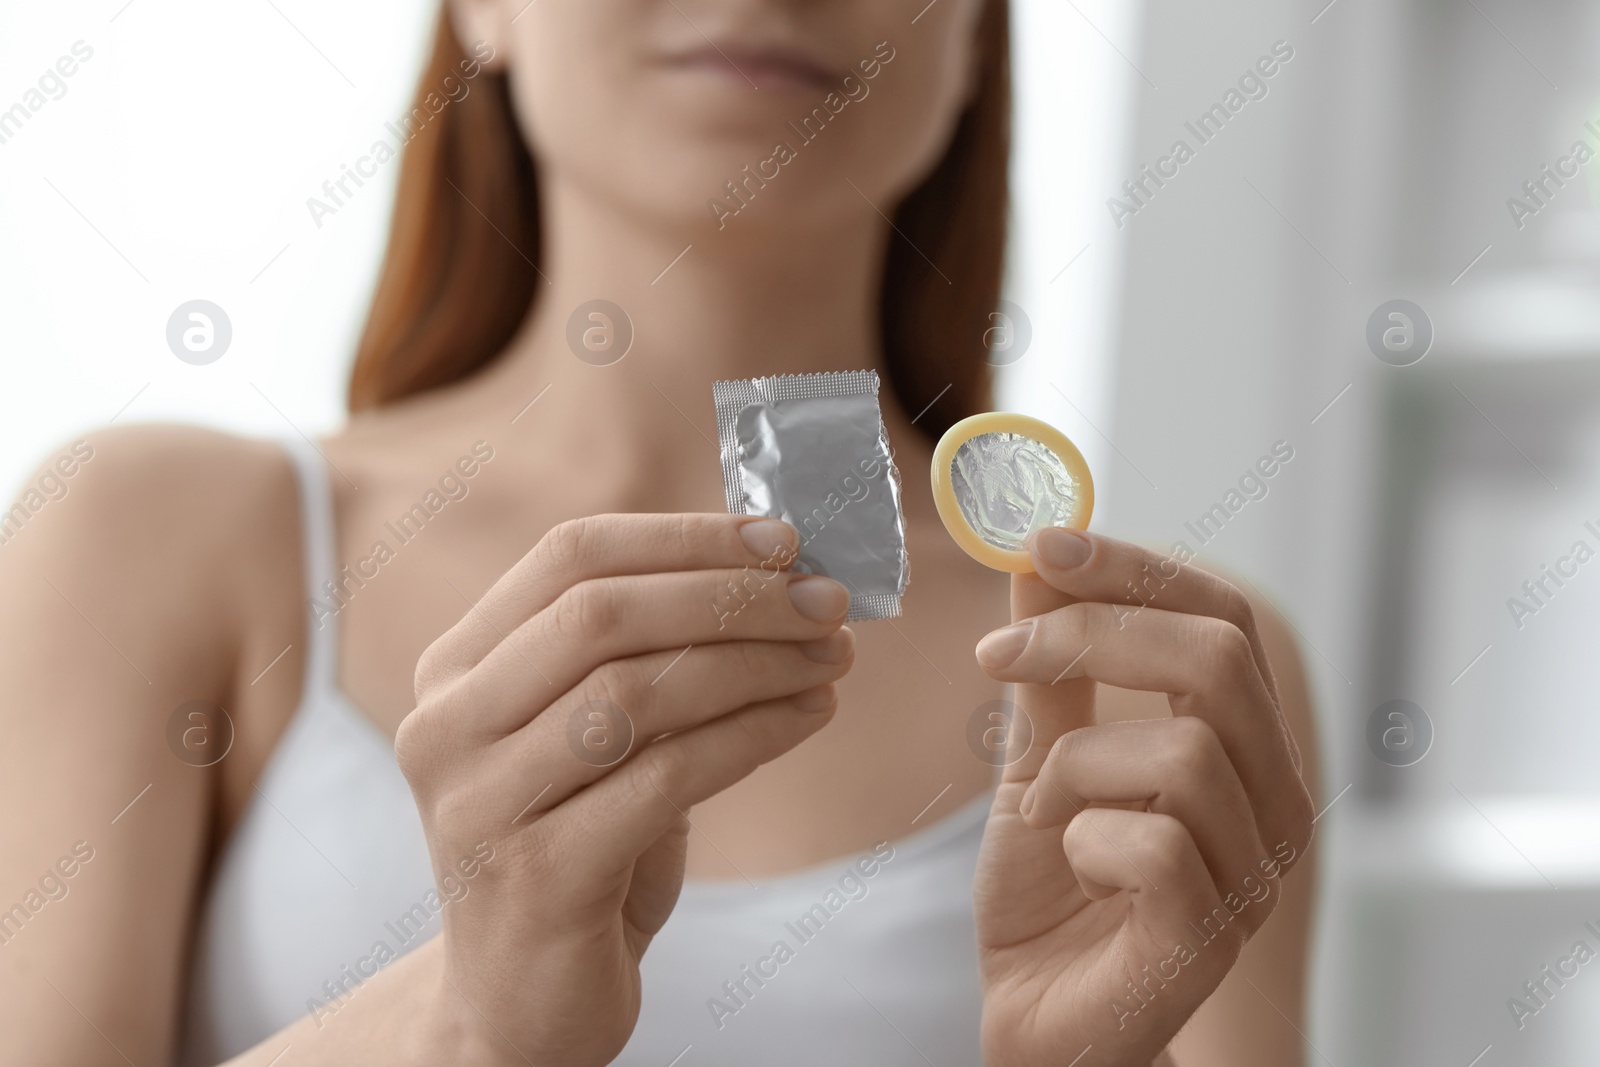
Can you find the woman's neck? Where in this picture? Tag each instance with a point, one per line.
(703, 303)
(739, 303)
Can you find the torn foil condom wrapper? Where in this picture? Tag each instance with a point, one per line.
(998, 478)
(811, 449)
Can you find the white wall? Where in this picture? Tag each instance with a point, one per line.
(176, 166)
(1076, 89)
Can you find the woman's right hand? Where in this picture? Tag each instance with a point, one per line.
(521, 740)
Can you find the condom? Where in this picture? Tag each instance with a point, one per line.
(998, 478)
(811, 449)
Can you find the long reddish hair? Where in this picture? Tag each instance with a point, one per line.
(460, 272)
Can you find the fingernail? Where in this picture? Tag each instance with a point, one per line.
(835, 648)
(1002, 647)
(766, 538)
(813, 699)
(1061, 548)
(819, 599)
(1026, 807)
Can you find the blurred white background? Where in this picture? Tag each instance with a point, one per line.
(1421, 497)
(103, 243)
(1227, 314)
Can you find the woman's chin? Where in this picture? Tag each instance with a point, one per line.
(721, 103)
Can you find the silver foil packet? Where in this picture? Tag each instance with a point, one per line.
(811, 449)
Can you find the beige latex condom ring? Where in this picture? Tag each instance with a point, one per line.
(998, 478)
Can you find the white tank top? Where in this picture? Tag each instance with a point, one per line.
(868, 960)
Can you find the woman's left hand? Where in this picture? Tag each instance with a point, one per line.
(1099, 940)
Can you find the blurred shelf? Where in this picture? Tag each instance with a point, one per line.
(1516, 319)
(1537, 844)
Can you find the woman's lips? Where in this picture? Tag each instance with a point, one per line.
(772, 70)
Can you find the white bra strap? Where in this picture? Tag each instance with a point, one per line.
(318, 543)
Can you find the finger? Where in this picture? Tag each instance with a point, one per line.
(1088, 566)
(613, 618)
(605, 546)
(1046, 712)
(1154, 860)
(657, 882)
(626, 704)
(1202, 663)
(658, 785)
(1173, 767)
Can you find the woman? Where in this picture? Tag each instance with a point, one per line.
(523, 518)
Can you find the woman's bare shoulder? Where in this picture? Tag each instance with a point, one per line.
(172, 459)
(171, 525)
